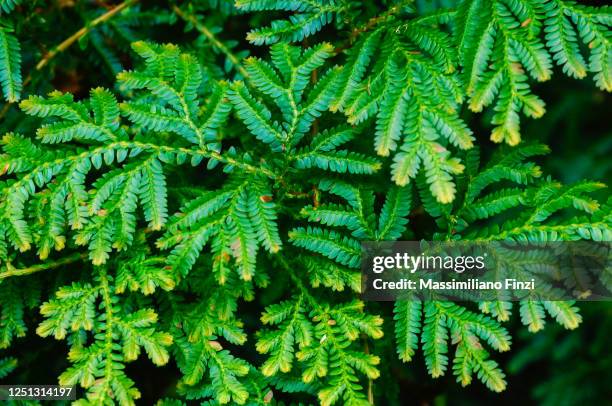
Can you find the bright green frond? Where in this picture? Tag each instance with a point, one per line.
(10, 59)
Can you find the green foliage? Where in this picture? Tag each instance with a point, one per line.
(324, 342)
(503, 43)
(7, 365)
(8, 5)
(17, 298)
(545, 210)
(10, 62)
(237, 220)
(207, 208)
(118, 333)
(308, 18)
(401, 75)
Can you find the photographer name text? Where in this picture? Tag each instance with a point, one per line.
(468, 284)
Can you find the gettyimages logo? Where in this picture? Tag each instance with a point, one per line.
(412, 264)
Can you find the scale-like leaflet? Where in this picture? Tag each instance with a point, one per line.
(117, 338)
(504, 43)
(400, 75)
(82, 137)
(10, 60)
(307, 18)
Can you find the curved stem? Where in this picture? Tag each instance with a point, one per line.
(190, 18)
(147, 147)
(82, 32)
(69, 41)
(372, 23)
(11, 271)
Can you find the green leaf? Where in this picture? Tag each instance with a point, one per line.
(10, 59)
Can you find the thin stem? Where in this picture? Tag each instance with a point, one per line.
(82, 32)
(305, 292)
(12, 271)
(6, 108)
(68, 42)
(371, 23)
(366, 349)
(190, 18)
(108, 336)
(206, 153)
(143, 146)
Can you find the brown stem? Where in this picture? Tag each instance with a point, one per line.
(69, 41)
(82, 32)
